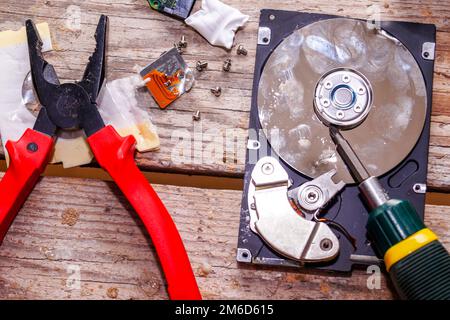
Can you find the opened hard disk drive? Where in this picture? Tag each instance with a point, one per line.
(372, 81)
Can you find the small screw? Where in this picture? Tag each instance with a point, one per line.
(426, 54)
(326, 244)
(272, 17)
(183, 43)
(420, 188)
(340, 114)
(179, 48)
(196, 116)
(32, 147)
(312, 197)
(201, 65)
(267, 168)
(217, 91)
(227, 65)
(241, 50)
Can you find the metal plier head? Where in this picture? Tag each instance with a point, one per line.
(67, 106)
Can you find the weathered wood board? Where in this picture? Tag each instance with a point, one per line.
(81, 229)
(138, 36)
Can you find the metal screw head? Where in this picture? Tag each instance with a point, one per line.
(326, 244)
(201, 65)
(420, 188)
(312, 196)
(183, 43)
(217, 91)
(196, 116)
(328, 85)
(325, 103)
(272, 17)
(32, 147)
(357, 108)
(227, 65)
(178, 47)
(267, 168)
(241, 50)
(346, 78)
(340, 114)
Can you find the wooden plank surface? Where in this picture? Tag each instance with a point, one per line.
(89, 230)
(84, 227)
(138, 36)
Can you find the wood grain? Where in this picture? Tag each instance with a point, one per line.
(110, 248)
(70, 226)
(138, 36)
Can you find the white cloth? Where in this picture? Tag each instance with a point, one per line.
(217, 22)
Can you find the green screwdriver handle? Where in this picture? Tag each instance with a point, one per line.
(419, 265)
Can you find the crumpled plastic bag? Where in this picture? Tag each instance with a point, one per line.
(217, 22)
(18, 106)
(118, 107)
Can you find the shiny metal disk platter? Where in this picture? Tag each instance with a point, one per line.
(341, 72)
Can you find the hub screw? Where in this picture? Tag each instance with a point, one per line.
(358, 108)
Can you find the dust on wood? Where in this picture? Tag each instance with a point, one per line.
(70, 217)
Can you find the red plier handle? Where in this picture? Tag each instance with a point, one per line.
(116, 155)
(28, 158)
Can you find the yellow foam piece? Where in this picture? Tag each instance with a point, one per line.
(15, 37)
(72, 152)
(147, 138)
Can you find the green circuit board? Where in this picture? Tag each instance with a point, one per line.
(176, 8)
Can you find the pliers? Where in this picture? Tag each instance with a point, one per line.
(71, 106)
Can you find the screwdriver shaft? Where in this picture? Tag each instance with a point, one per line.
(370, 187)
(345, 150)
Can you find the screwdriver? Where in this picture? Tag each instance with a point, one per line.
(417, 262)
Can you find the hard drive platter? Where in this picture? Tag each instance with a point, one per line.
(314, 71)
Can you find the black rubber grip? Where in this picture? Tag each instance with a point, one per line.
(424, 274)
